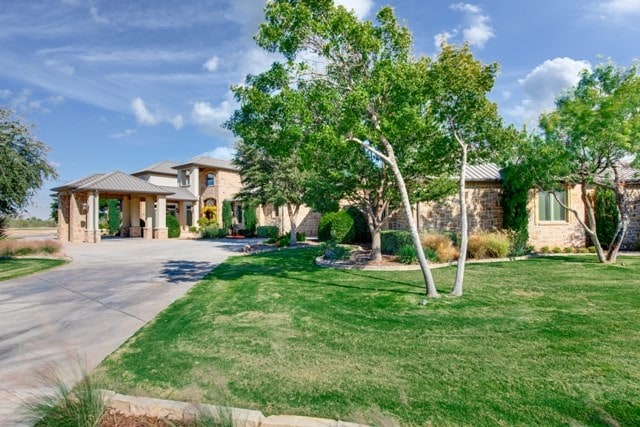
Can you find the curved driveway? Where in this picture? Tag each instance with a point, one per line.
(88, 308)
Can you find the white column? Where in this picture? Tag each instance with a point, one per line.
(96, 217)
(126, 216)
(148, 221)
(161, 212)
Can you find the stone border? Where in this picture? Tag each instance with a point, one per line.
(182, 411)
(341, 265)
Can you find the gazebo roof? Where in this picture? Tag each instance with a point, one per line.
(114, 182)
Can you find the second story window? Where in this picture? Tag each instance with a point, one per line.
(210, 180)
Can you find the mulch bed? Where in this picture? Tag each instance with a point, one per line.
(113, 418)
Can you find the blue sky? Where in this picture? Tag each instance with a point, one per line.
(119, 85)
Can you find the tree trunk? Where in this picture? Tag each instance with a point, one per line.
(430, 285)
(464, 227)
(590, 229)
(376, 246)
(293, 214)
(623, 224)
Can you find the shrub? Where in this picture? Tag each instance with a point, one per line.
(338, 226)
(488, 245)
(212, 232)
(174, 227)
(283, 241)
(227, 214)
(271, 240)
(114, 216)
(606, 212)
(331, 251)
(556, 250)
(545, 250)
(250, 220)
(392, 240)
(301, 237)
(267, 231)
(361, 226)
(567, 250)
(12, 247)
(583, 250)
(4, 224)
(592, 249)
(193, 229)
(441, 246)
(407, 254)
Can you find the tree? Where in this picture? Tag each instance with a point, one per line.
(53, 207)
(272, 125)
(588, 140)
(227, 215)
(469, 123)
(23, 163)
(368, 72)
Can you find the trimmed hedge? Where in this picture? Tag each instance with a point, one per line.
(267, 231)
(174, 226)
(392, 240)
(338, 226)
(363, 235)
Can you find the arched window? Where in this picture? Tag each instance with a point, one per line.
(210, 202)
(210, 180)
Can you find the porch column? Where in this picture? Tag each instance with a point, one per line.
(148, 220)
(195, 212)
(160, 220)
(126, 216)
(182, 214)
(74, 220)
(134, 217)
(91, 233)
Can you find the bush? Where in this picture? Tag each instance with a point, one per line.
(301, 237)
(392, 240)
(193, 229)
(488, 245)
(361, 226)
(592, 249)
(606, 212)
(545, 250)
(271, 240)
(568, 250)
(114, 216)
(583, 250)
(227, 215)
(441, 245)
(13, 247)
(212, 232)
(338, 226)
(556, 250)
(250, 220)
(331, 251)
(407, 254)
(283, 241)
(174, 227)
(267, 231)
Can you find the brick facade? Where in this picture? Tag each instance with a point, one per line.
(560, 234)
(632, 238)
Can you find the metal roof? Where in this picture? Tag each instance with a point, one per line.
(483, 172)
(208, 162)
(179, 193)
(114, 182)
(162, 168)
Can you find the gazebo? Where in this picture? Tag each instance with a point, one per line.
(143, 207)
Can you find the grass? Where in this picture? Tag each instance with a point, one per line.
(546, 341)
(11, 268)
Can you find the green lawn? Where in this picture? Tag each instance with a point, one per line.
(11, 268)
(547, 341)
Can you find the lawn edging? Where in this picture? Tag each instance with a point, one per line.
(183, 411)
(341, 265)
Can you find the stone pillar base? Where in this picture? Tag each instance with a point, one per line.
(124, 232)
(135, 231)
(161, 233)
(92, 236)
(147, 233)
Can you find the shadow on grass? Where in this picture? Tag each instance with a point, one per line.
(185, 271)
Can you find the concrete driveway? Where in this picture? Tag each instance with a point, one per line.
(88, 308)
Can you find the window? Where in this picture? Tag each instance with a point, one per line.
(210, 180)
(548, 207)
(239, 213)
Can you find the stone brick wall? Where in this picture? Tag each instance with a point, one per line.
(63, 217)
(307, 219)
(228, 184)
(632, 238)
(208, 192)
(483, 209)
(557, 233)
(78, 220)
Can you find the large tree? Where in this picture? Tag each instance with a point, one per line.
(272, 126)
(470, 127)
(371, 74)
(589, 139)
(23, 163)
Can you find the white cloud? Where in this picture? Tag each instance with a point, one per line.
(125, 133)
(210, 119)
(544, 83)
(621, 6)
(478, 31)
(24, 101)
(93, 11)
(147, 118)
(143, 115)
(212, 64)
(67, 69)
(360, 7)
(5, 93)
(223, 153)
(444, 37)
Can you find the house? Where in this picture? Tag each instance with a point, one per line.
(198, 187)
